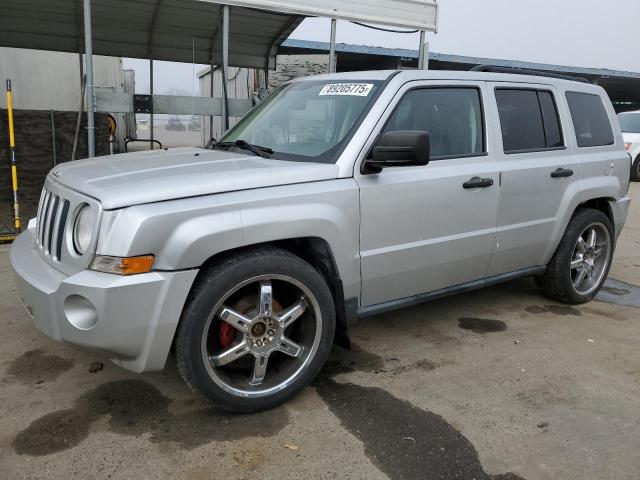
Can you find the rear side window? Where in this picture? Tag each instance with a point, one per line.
(529, 120)
(590, 120)
(452, 117)
(552, 130)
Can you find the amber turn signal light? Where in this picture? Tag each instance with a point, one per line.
(122, 265)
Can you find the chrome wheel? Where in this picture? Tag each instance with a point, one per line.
(590, 259)
(261, 335)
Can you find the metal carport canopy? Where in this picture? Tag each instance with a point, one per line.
(188, 30)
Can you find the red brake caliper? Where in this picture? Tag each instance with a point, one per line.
(226, 335)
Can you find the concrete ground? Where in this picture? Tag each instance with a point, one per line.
(500, 383)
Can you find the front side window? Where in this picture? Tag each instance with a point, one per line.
(452, 117)
(590, 120)
(308, 121)
(529, 120)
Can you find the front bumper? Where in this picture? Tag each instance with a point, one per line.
(131, 320)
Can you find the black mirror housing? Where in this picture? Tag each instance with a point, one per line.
(408, 148)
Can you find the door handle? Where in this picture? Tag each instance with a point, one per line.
(561, 172)
(477, 182)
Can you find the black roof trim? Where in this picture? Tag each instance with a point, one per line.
(524, 71)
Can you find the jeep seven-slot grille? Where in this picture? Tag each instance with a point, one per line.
(52, 218)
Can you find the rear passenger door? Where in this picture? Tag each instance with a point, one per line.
(538, 173)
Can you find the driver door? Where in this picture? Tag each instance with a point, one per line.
(421, 229)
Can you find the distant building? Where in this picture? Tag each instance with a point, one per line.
(300, 58)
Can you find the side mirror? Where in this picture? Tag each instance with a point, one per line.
(399, 149)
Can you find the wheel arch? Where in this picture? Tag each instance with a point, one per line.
(603, 204)
(317, 252)
(573, 204)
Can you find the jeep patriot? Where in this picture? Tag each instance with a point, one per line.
(337, 197)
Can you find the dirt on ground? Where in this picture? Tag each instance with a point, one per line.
(500, 383)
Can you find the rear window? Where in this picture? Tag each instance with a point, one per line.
(590, 120)
(529, 120)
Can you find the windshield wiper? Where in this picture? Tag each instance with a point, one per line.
(264, 152)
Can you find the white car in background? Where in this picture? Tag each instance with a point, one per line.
(630, 124)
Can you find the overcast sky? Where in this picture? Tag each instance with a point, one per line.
(584, 33)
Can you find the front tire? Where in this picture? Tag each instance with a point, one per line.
(257, 329)
(580, 265)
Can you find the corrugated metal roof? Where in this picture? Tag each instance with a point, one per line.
(415, 14)
(188, 30)
(297, 46)
(174, 30)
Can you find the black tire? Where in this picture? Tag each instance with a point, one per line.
(556, 282)
(635, 170)
(211, 287)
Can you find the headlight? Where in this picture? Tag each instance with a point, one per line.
(83, 229)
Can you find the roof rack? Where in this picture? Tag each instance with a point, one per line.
(524, 71)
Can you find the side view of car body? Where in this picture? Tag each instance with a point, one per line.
(337, 197)
(630, 124)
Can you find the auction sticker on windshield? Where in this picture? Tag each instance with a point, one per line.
(353, 89)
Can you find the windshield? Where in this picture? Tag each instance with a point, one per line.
(308, 121)
(630, 122)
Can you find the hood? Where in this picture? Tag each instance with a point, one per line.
(631, 137)
(151, 176)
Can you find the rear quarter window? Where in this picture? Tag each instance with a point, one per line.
(590, 120)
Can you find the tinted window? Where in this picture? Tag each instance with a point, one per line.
(529, 120)
(452, 116)
(590, 120)
(552, 130)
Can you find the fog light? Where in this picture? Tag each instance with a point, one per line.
(80, 312)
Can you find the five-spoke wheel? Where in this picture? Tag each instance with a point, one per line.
(581, 262)
(590, 258)
(258, 329)
(264, 332)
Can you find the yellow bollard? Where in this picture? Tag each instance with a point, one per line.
(14, 170)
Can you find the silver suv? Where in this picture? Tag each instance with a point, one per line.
(337, 197)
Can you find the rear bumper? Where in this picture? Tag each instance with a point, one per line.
(131, 320)
(620, 211)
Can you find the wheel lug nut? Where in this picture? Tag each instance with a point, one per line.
(271, 332)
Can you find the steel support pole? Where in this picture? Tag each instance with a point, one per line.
(211, 91)
(423, 59)
(88, 49)
(332, 47)
(225, 66)
(151, 123)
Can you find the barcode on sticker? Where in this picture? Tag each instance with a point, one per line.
(353, 89)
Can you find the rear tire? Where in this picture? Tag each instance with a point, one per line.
(580, 265)
(635, 170)
(257, 328)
